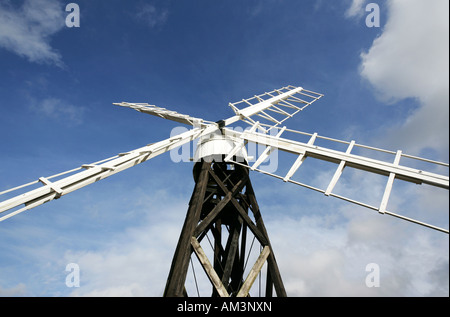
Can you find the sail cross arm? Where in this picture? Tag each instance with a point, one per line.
(280, 102)
(351, 160)
(393, 170)
(94, 172)
(163, 113)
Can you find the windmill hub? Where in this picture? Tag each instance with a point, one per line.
(215, 146)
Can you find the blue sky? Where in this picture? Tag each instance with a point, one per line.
(385, 86)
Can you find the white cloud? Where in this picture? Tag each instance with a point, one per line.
(356, 9)
(55, 108)
(26, 31)
(152, 16)
(410, 59)
(136, 261)
(18, 290)
(317, 259)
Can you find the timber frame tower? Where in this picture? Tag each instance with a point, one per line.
(222, 203)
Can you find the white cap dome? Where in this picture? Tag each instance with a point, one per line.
(216, 146)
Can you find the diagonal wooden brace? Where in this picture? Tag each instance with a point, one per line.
(243, 292)
(209, 269)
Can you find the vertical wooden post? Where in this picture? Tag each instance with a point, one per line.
(180, 262)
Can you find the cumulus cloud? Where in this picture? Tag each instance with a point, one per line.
(410, 59)
(135, 262)
(317, 259)
(18, 290)
(408, 62)
(26, 31)
(355, 10)
(57, 109)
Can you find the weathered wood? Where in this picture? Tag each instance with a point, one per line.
(180, 262)
(269, 285)
(254, 229)
(217, 234)
(243, 292)
(272, 263)
(243, 244)
(209, 270)
(222, 198)
(212, 215)
(230, 251)
(235, 187)
(237, 274)
(219, 252)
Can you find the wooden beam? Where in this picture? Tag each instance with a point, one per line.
(243, 292)
(273, 266)
(212, 215)
(339, 171)
(219, 252)
(388, 188)
(269, 285)
(254, 229)
(236, 187)
(230, 250)
(209, 270)
(180, 263)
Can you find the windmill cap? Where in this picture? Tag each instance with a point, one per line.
(215, 147)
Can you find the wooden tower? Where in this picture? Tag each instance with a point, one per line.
(223, 203)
